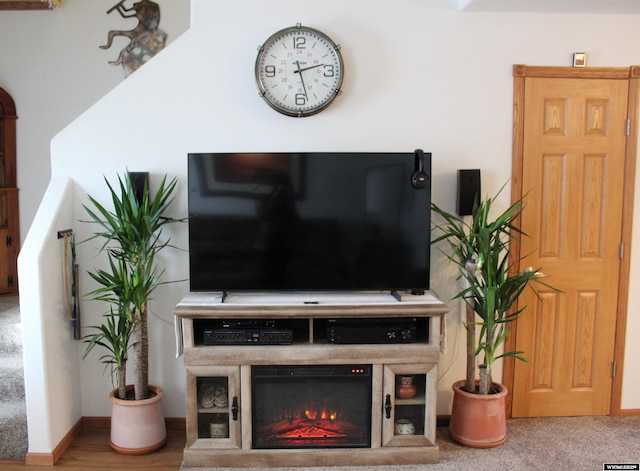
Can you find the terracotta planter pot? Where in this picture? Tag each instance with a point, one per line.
(137, 427)
(478, 421)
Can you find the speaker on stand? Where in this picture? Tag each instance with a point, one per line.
(469, 191)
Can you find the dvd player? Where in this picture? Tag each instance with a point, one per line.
(244, 337)
(248, 332)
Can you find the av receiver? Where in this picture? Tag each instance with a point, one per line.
(380, 331)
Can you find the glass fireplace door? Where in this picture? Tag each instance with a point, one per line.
(311, 406)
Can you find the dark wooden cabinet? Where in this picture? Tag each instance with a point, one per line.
(9, 216)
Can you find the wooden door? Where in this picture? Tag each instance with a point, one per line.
(573, 173)
(9, 220)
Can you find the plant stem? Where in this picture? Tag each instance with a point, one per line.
(470, 384)
(471, 351)
(140, 353)
(483, 388)
(122, 381)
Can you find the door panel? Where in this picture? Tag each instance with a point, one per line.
(9, 241)
(573, 176)
(9, 218)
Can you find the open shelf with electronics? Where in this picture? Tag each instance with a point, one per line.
(310, 379)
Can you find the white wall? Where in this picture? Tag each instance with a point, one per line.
(416, 76)
(54, 70)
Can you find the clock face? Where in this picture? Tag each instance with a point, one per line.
(299, 71)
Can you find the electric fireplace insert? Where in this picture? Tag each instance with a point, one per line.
(315, 406)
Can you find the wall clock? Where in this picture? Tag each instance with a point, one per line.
(299, 71)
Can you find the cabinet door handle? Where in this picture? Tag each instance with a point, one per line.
(234, 408)
(387, 406)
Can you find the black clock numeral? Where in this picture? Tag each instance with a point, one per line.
(301, 99)
(270, 71)
(328, 70)
(299, 42)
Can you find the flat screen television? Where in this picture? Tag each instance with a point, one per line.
(352, 221)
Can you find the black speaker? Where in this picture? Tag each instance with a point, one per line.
(139, 179)
(469, 191)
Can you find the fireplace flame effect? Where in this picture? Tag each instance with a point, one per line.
(324, 415)
(313, 421)
(311, 425)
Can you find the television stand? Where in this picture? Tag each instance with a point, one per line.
(220, 398)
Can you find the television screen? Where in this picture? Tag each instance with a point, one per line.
(308, 221)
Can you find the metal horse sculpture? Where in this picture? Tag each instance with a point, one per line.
(146, 40)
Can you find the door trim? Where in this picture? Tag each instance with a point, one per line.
(520, 72)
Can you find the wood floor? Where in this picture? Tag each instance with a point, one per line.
(90, 450)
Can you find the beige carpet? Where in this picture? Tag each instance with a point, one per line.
(549, 444)
(13, 410)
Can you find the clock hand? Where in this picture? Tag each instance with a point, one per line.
(311, 67)
(299, 71)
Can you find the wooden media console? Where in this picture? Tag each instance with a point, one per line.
(228, 345)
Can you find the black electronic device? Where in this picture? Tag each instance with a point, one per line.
(331, 221)
(419, 178)
(247, 337)
(139, 180)
(248, 332)
(372, 331)
(469, 191)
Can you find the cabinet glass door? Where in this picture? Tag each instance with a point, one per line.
(409, 405)
(213, 406)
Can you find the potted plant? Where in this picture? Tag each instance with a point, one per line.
(493, 285)
(131, 235)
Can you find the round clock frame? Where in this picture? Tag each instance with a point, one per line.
(299, 71)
